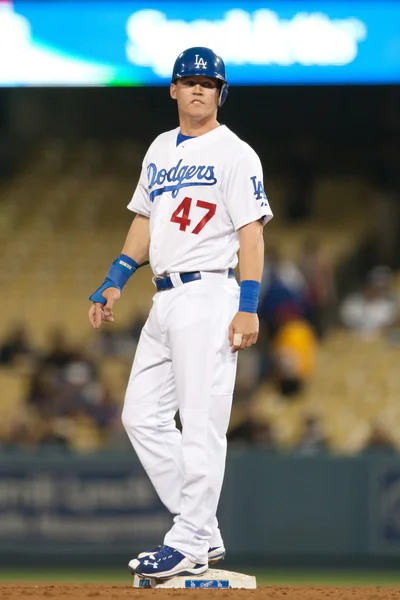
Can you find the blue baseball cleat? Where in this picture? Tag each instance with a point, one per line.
(165, 563)
(154, 551)
(215, 554)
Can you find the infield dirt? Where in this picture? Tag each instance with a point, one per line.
(37, 591)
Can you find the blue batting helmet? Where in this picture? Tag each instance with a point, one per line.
(201, 61)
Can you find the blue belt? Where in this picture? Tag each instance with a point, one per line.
(165, 283)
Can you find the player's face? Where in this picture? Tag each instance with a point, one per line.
(197, 96)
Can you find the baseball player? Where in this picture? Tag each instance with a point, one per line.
(199, 199)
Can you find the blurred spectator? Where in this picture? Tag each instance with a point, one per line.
(105, 411)
(118, 342)
(80, 370)
(251, 430)
(121, 342)
(282, 286)
(294, 351)
(283, 269)
(20, 435)
(108, 342)
(312, 439)
(320, 290)
(75, 410)
(16, 347)
(54, 433)
(59, 353)
(373, 309)
(63, 383)
(42, 392)
(263, 434)
(53, 397)
(379, 441)
(77, 385)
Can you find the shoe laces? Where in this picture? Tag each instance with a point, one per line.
(165, 551)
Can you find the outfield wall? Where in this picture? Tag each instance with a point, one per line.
(276, 510)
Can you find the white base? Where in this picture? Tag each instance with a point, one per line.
(213, 578)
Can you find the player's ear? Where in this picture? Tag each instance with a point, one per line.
(172, 91)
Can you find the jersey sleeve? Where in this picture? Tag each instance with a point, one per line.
(246, 199)
(141, 202)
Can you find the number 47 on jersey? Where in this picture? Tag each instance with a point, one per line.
(181, 214)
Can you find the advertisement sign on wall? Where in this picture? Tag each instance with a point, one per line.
(134, 43)
(78, 505)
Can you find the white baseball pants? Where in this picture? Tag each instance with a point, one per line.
(184, 362)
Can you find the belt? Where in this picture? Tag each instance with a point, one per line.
(166, 283)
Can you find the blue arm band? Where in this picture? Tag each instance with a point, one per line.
(121, 269)
(118, 274)
(249, 292)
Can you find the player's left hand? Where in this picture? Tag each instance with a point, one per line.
(244, 328)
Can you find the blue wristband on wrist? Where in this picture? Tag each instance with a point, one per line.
(249, 292)
(121, 269)
(118, 274)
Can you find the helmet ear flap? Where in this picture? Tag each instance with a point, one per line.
(223, 94)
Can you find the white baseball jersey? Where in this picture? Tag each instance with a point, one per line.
(197, 195)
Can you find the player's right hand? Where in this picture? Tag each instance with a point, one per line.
(104, 312)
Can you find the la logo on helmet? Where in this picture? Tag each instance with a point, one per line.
(200, 62)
